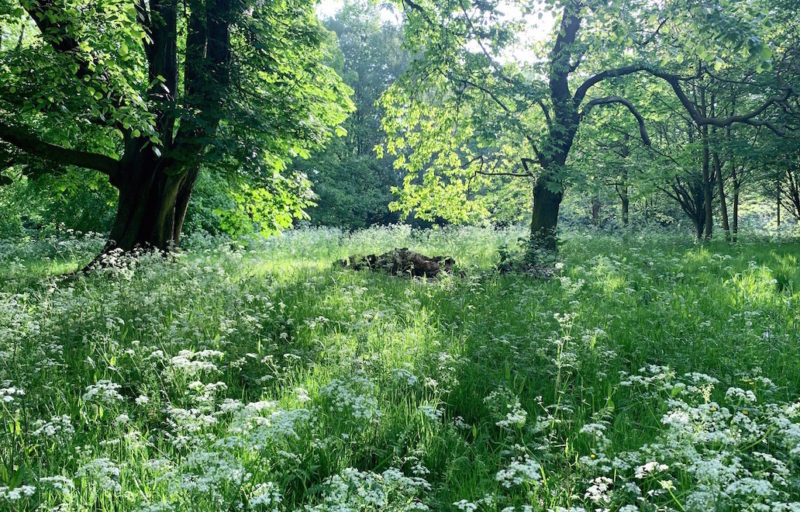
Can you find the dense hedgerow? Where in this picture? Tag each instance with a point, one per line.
(649, 374)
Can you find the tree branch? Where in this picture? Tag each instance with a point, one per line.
(528, 161)
(721, 122)
(546, 112)
(418, 8)
(31, 144)
(583, 89)
(513, 174)
(649, 39)
(481, 88)
(58, 34)
(617, 99)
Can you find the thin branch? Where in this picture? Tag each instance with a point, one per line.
(617, 99)
(418, 8)
(652, 36)
(536, 151)
(545, 111)
(528, 161)
(513, 174)
(481, 88)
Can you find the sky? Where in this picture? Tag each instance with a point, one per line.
(327, 8)
(539, 29)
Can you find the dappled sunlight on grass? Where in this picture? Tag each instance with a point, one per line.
(483, 389)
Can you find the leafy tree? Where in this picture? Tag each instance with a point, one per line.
(353, 187)
(149, 93)
(465, 97)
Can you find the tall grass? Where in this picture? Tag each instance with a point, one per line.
(649, 374)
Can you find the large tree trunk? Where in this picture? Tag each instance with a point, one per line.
(544, 222)
(154, 193)
(155, 189)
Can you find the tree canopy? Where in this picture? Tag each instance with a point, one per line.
(150, 93)
(481, 101)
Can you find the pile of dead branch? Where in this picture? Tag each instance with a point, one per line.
(400, 262)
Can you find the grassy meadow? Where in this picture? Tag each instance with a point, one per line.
(650, 373)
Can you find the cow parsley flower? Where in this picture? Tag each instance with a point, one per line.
(520, 471)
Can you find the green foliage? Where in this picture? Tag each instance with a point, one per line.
(353, 187)
(52, 201)
(483, 102)
(265, 211)
(351, 193)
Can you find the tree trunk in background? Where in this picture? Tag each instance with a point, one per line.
(736, 187)
(707, 177)
(707, 190)
(734, 179)
(625, 207)
(778, 205)
(622, 192)
(723, 205)
(700, 213)
(596, 209)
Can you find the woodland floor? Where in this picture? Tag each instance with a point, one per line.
(650, 373)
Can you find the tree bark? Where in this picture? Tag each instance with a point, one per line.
(544, 222)
(625, 208)
(707, 178)
(723, 205)
(152, 191)
(736, 188)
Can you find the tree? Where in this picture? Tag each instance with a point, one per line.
(149, 93)
(541, 102)
(353, 187)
